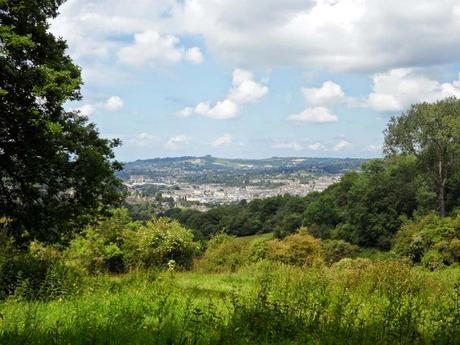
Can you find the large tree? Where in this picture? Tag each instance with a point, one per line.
(431, 132)
(56, 172)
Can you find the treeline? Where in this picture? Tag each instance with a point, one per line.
(366, 208)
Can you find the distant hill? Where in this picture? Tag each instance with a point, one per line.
(209, 164)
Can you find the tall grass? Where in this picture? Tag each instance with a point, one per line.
(267, 303)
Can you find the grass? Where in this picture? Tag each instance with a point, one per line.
(383, 303)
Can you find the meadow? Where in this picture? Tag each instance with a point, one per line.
(351, 302)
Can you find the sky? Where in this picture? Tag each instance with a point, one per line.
(258, 78)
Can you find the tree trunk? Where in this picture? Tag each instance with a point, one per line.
(441, 190)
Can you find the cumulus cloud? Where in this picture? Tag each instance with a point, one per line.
(288, 146)
(87, 109)
(342, 145)
(224, 140)
(151, 48)
(321, 100)
(142, 139)
(314, 115)
(177, 141)
(340, 34)
(317, 147)
(186, 112)
(352, 35)
(397, 89)
(194, 55)
(222, 110)
(244, 90)
(114, 104)
(328, 94)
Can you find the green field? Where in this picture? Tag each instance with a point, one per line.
(266, 303)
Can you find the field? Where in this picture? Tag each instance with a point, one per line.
(353, 302)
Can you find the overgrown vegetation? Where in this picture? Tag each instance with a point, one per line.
(268, 303)
(371, 260)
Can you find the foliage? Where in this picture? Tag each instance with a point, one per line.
(336, 250)
(117, 244)
(56, 172)
(421, 239)
(432, 260)
(365, 208)
(39, 273)
(300, 249)
(158, 243)
(431, 132)
(269, 303)
(280, 214)
(224, 253)
(100, 247)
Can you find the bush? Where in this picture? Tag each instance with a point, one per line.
(118, 244)
(225, 253)
(433, 260)
(38, 274)
(355, 264)
(335, 250)
(430, 234)
(100, 247)
(159, 242)
(298, 249)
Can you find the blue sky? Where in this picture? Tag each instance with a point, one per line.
(258, 78)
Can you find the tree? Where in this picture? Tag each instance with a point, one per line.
(431, 132)
(55, 170)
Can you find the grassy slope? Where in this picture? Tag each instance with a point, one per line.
(266, 303)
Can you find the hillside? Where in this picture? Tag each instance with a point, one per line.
(208, 165)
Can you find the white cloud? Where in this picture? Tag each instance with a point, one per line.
(177, 141)
(314, 115)
(143, 139)
(114, 104)
(370, 35)
(328, 94)
(151, 48)
(222, 110)
(317, 147)
(342, 145)
(87, 109)
(186, 112)
(244, 90)
(397, 89)
(340, 34)
(224, 140)
(288, 146)
(321, 100)
(194, 55)
(374, 148)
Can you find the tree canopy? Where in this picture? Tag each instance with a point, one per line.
(55, 169)
(431, 132)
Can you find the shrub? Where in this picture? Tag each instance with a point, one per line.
(258, 250)
(298, 249)
(100, 247)
(335, 250)
(348, 263)
(224, 253)
(159, 242)
(117, 244)
(39, 273)
(416, 239)
(433, 260)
